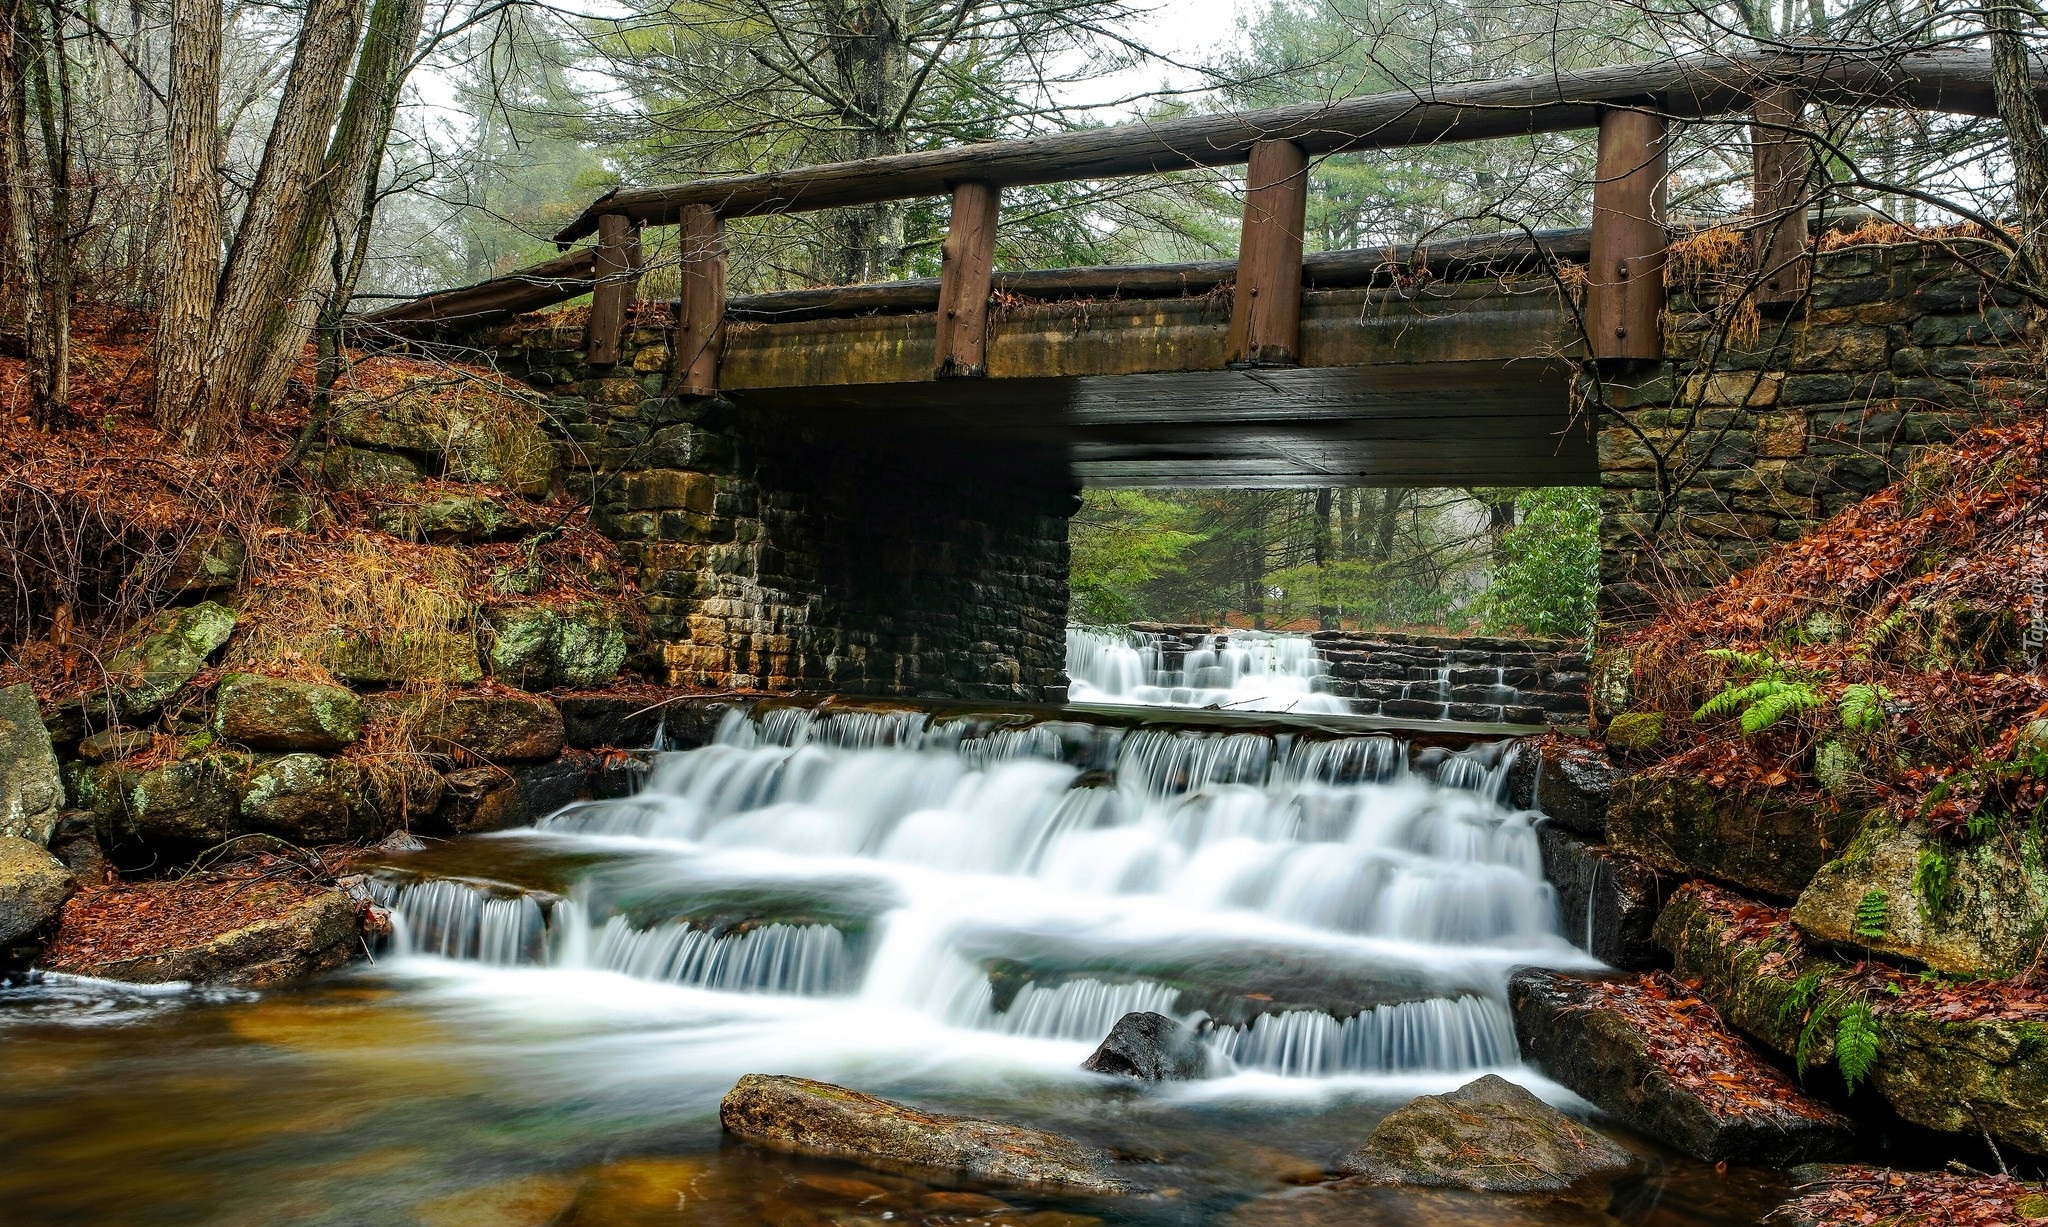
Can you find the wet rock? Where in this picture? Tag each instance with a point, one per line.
(493, 725)
(268, 713)
(1359, 1202)
(452, 518)
(76, 843)
(386, 797)
(480, 799)
(33, 885)
(275, 932)
(522, 644)
(297, 797)
(31, 790)
(529, 1201)
(1608, 903)
(606, 721)
(1152, 1047)
(1683, 825)
(171, 651)
(1573, 784)
(1487, 1135)
(816, 1118)
(1957, 1073)
(1661, 1061)
(1990, 919)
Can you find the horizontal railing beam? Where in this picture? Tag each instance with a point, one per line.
(1694, 87)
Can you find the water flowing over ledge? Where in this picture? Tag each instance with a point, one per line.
(1317, 906)
(1238, 671)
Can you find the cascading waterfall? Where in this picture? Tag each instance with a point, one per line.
(1241, 671)
(1345, 913)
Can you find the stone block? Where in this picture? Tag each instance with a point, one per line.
(1684, 826)
(1995, 326)
(356, 468)
(493, 726)
(267, 713)
(1780, 436)
(31, 790)
(1850, 348)
(1752, 389)
(670, 489)
(298, 798)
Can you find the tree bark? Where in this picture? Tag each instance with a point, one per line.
(193, 217)
(2020, 109)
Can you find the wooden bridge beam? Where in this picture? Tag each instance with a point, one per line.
(617, 260)
(700, 305)
(966, 278)
(1783, 164)
(1625, 275)
(1265, 313)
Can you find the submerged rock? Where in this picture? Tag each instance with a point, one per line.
(1359, 1202)
(31, 791)
(33, 885)
(1152, 1047)
(1989, 917)
(1684, 825)
(1662, 1062)
(268, 713)
(1488, 1135)
(246, 934)
(800, 1116)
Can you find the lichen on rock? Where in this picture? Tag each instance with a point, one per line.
(1488, 1135)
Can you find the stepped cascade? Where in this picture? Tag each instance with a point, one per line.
(1238, 671)
(853, 881)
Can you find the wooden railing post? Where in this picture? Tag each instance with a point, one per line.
(614, 288)
(965, 278)
(1265, 314)
(700, 305)
(1783, 165)
(1625, 275)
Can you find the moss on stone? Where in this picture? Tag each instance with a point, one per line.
(1635, 732)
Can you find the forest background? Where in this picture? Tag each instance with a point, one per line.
(204, 161)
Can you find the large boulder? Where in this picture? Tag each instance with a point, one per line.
(1656, 1057)
(494, 725)
(1489, 1135)
(33, 885)
(31, 791)
(1986, 913)
(1686, 826)
(170, 652)
(298, 797)
(1608, 902)
(800, 1116)
(268, 713)
(1960, 1063)
(1151, 1047)
(250, 934)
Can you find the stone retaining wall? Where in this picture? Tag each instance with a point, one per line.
(1736, 444)
(786, 554)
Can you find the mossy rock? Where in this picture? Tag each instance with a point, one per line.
(452, 518)
(1682, 824)
(1489, 1135)
(448, 657)
(1960, 1076)
(590, 645)
(491, 725)
(1635, 732)
(536, 646)
(357, 468)
(170, 652)
(207, 564)
(1990, 920)
(31, 791)
(267, 713)
(523, 644)
(175, 809)
(298, 797)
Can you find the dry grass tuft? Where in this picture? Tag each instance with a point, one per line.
(362, 604)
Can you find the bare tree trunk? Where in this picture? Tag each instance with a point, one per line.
(53, 115)
(193, 222)
(344, 198)
(870, 57)
(2012, 82)
(24, 264)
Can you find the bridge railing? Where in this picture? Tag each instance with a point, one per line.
(1631, 108)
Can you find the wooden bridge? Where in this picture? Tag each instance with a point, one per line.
(1445, 365)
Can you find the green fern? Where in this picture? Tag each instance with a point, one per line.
(1813, 1032)
(1880, 637)
(1855, 1044)
(1782, 700)
(1872, 916)
(1863, 707)
(1764, 700)
(1933, 878)
(1801, 996)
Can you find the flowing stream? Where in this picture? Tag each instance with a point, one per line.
(951, 912)
(1240, 671)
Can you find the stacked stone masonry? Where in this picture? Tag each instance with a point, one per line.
(782, 554)
(1737, 444)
